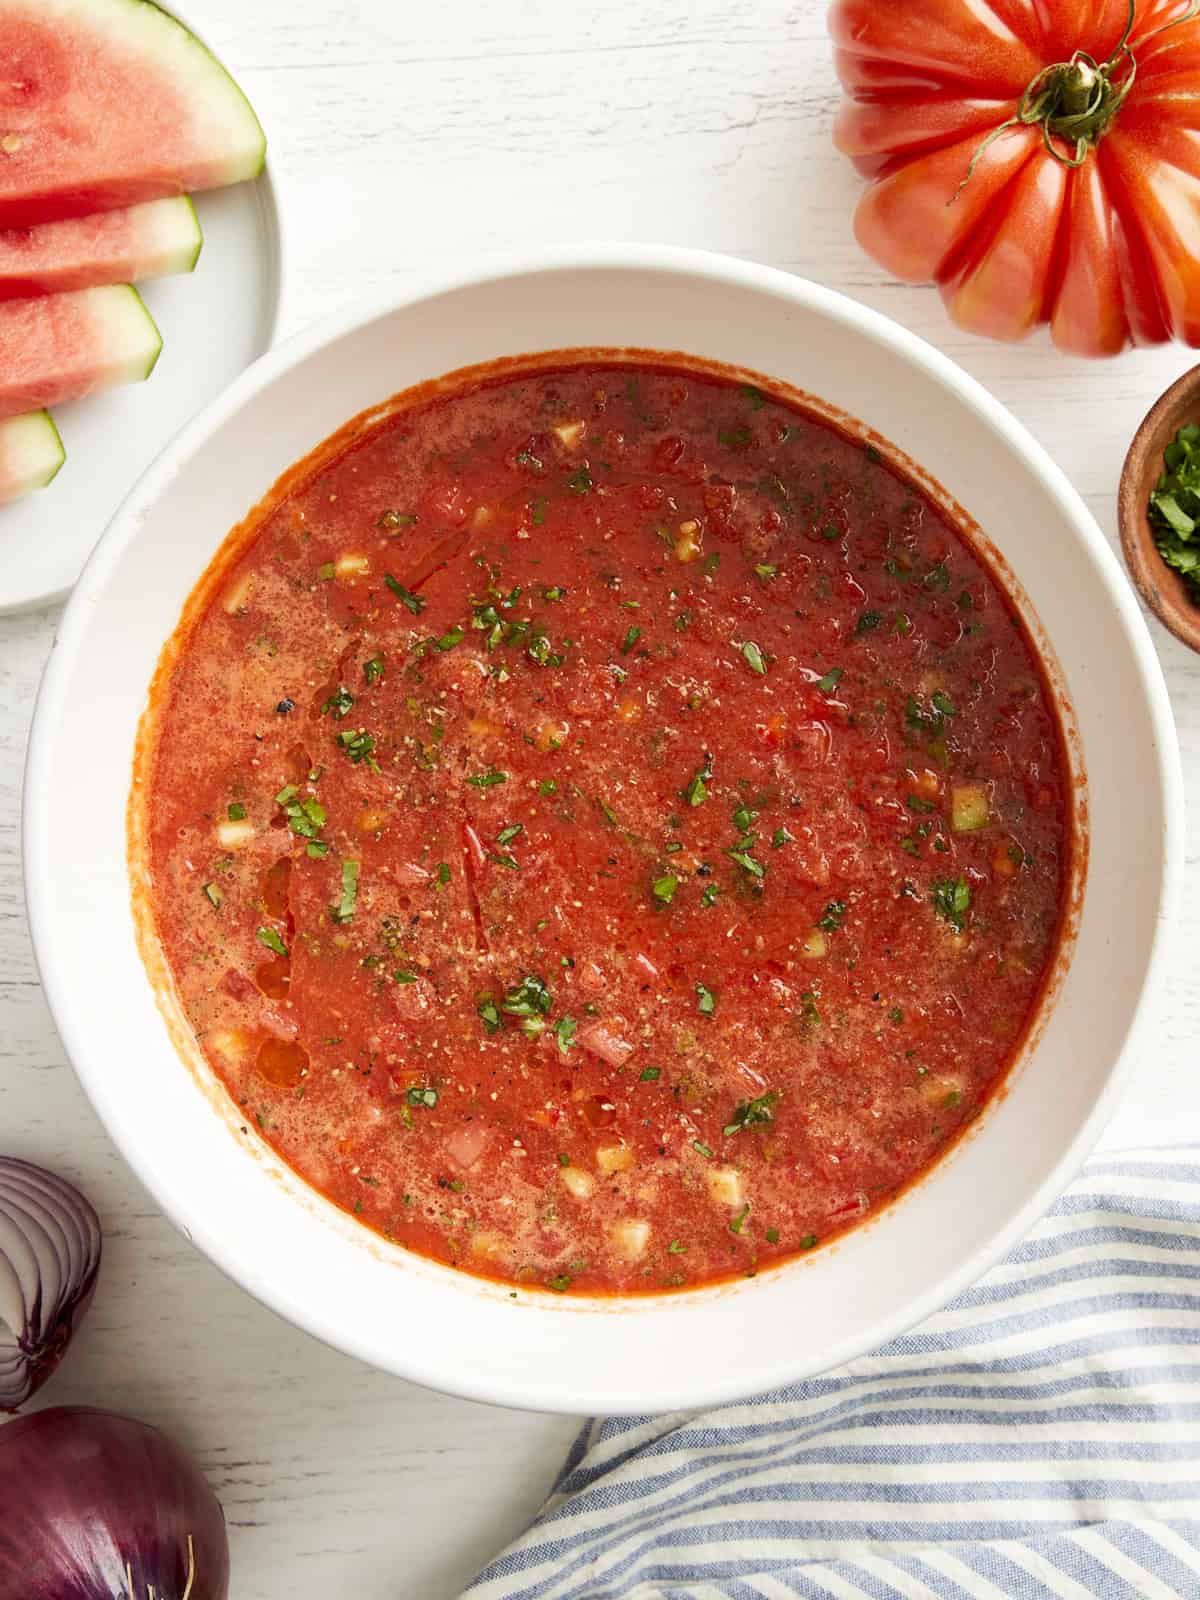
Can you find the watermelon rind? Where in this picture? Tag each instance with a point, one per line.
(134, 340)
(31, 452)
(154, 240)
(222, 139)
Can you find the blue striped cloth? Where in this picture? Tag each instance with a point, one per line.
(1040, 1437)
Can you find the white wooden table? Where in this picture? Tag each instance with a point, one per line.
(403, 135)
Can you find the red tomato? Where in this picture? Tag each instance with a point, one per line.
(1037, 159)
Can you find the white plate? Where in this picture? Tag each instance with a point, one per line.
(184, 1136)
(214, 322)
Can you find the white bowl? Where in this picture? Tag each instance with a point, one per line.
(315, 1266)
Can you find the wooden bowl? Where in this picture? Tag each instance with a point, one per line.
(1163, 589)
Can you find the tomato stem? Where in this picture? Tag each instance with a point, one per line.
(1076, 102)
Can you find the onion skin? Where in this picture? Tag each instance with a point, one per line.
(49, 1259)
(96, 1506)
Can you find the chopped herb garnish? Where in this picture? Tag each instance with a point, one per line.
(677, 1248)
(215, 896)
(339, 703)
(752, 1113)
(305, 817)
(547, 786)
(317, 849)
(271, 939)
(755, 396)
(914, 802)
(486, 780)
(404, 977)
(580, 482)
(358, 745)
(933, 720)
(414, 602)
(564, 1159)
(630, 639)
(938, 578)
(564, 1031)
(737, 1223)
(702, 1149)
(772, 1235)
(664, 889)
(529, 998)
(830, 919)
(1175, 508)
(809, 1012)
(868, 622)
(396, 519)
(748, 864)
(555, 592)
(416, 1096)
(754, 658)
(561, 1284)
(326, 571)
(489, 1013)
(781, 837)
(455, 636)
(650, 1075)
(344, 910)
(696, 792)
(236, 812)
(442, 876)
(709, 897)
(373, 669)
(951, 900)
(766, 571)
(706, 1000)
(507, 835)
(830, 681)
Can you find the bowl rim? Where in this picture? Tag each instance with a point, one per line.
(529, 1392)
(1154, 579)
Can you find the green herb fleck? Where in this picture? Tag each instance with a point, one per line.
(271, 939)
(547, 787)
(754, 658)
(236, 812)
(630, 639)
(564, 1032)
(706, 1000)
(580, 482)
(696, 792)
(951, 900)
(664, 889)
(868, 622)
(830, 681)
(414, 602)
(831, 918)
(486, 780)
(344, 910)
(339, 703)
(417, 1096)
(529, 998)
(702, 1149)
(214, 894)
(650, 1075)
(752, 1113)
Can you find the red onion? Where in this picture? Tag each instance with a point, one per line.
(97, 1506)
(49, 1257)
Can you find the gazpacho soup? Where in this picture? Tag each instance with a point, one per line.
(606, 826)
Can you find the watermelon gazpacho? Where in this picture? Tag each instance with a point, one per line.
(608, 829)
(153, 240)
(107, 103)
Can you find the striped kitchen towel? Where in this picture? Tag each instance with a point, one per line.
(1040, 1437)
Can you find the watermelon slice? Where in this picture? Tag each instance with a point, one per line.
(152, 240)
(106, 103)
(63, 346)
(30, 454)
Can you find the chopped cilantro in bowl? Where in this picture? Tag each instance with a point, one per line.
(1175, 507)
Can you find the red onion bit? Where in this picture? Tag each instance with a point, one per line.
(97, 1505)
(49, 1258)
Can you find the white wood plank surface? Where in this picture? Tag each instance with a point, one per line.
(404, 135)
